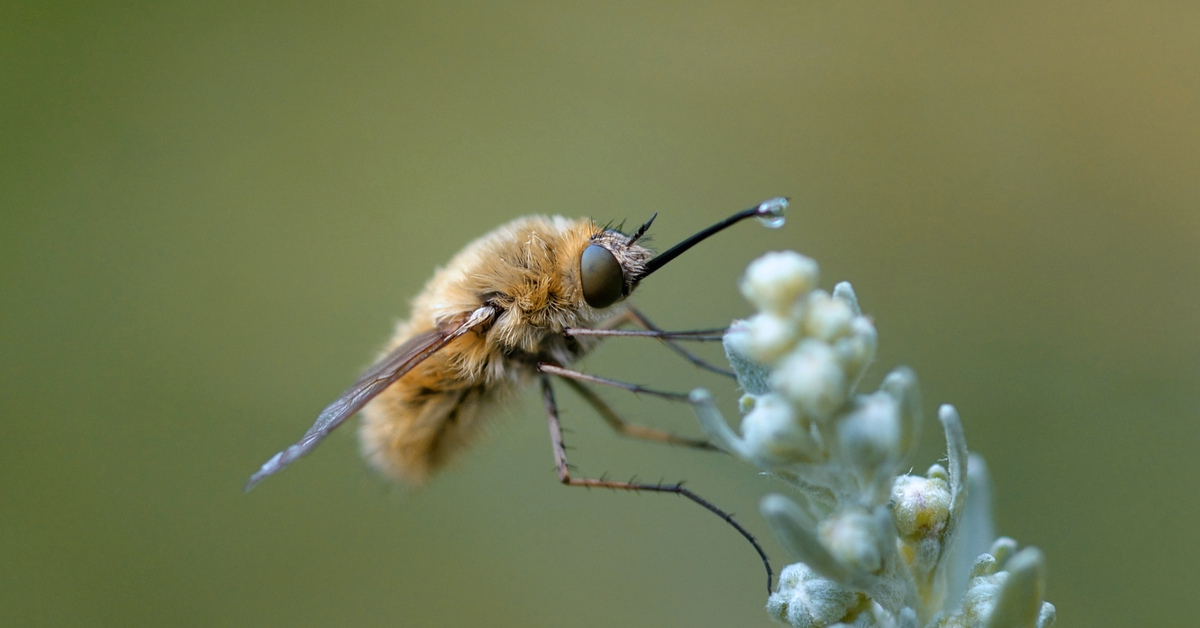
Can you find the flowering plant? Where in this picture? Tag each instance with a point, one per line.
(877, 546)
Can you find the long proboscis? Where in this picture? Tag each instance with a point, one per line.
(768, 209)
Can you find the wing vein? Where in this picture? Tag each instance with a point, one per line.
(373, 381)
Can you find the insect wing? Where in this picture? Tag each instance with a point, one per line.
(384, 373)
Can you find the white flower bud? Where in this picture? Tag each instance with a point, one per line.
(856, 350)
(870, 434)
(775, 281)
(979, 600)
(854, 539)
(984, 565)
(827, 318)
(876, 549)
(1003, 548)
(920, 506)
(812, 378)
(1011, 596)
(845, 292)
(763, 338)
(806, 600)
(751, 376)
(774, 435)
(938, 472)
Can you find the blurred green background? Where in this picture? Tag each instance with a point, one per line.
(214, 212)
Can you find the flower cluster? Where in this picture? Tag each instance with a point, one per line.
(877, 547)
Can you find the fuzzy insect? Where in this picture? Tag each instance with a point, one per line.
(520, 302)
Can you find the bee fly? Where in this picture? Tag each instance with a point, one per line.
(524, 300)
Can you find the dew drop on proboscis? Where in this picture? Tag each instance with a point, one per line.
(770, 212)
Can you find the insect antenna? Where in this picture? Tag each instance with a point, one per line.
(641, 231)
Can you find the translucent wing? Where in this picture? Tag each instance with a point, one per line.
(384, 373)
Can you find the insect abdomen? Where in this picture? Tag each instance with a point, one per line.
(417, 425)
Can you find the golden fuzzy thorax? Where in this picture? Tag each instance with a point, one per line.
(529, 270)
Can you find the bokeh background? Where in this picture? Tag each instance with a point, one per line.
(214, 212)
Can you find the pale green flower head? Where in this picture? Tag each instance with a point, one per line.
(877, 546)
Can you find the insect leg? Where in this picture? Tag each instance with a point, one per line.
(687, 355)
(616, 320)
(698, 335)
(611, 327)
(554, 369)
(631, 315)
(633, 430)
(564, 476)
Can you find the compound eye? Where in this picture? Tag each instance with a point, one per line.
(601, 276)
